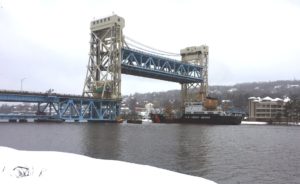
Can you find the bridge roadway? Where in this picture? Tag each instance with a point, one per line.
(139, 63)
(29, 96)
(60, 107)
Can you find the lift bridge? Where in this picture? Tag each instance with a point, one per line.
(112, 54)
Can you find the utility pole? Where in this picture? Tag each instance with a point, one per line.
(22, 83)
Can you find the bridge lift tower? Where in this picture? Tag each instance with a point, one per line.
(193, 92)
(103, 77)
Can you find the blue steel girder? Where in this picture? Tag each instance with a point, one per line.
(87, 109)
(143, 64)
(66, 107)
(6, 97)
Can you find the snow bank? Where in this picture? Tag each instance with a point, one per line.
(254, 123)
(38, 167)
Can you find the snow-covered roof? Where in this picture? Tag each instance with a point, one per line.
(254, 98)
(267, 98)
(226, 101)
(232, 89)
(292, 86)
(277, 99)
(286, 99)
(278, 86)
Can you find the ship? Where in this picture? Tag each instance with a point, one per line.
(202, 113)
(198, 106)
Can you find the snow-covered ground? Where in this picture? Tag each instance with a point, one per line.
(265, 123)
(254, 123)
(37, 167)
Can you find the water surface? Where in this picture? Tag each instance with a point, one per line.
(225, 154)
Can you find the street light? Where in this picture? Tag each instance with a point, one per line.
(22, 83)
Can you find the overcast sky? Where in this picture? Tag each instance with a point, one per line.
(47, 42)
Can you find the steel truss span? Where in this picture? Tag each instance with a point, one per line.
(138, 63)
(62, 107)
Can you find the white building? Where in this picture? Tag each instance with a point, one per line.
(266, 109)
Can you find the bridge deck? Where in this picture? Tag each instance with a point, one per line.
(29, 96)
(62, 107)
(143, 64)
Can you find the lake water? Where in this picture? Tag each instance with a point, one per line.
(226, 154)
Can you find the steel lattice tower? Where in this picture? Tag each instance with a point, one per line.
(193, 92)
(103, 77)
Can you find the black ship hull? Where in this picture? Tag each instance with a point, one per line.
(210, 119)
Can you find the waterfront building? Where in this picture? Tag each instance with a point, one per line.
(267, 109)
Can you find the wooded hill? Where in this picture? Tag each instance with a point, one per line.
(238, 94)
